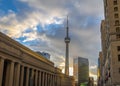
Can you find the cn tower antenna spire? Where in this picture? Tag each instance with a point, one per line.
(67, 41)
(67, 32)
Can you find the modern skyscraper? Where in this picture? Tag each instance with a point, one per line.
(110, 38)
(81, 70)
(67, 41)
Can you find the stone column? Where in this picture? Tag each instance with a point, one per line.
(53, 80)
(39, 78)
(36, 78)
(43, 77)
(17, 74)
(32, 83)
(46, 80)
(50, 80)
(60, 80)
(1, 70)
(11, 73)
(27, 77)
(22, 75)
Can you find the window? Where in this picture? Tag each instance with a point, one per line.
(115, 8)
(118, 48)
(118, 57)
(117, 29)
(117, 22)
(116, 15)
(118, 36)
(115, 2)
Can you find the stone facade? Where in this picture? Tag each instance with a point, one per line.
(110, 37)
(20, 66)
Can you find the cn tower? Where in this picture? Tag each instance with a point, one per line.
(67, 41)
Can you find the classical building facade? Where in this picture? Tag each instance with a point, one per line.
(110, 37)
(20, 66)
(81, 70)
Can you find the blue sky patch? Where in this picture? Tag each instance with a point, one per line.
(13, 5)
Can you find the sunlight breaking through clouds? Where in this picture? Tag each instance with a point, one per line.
(41, 26)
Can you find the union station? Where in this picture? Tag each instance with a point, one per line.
(20, 66)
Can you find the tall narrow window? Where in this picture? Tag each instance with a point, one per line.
(116, 15)
(118, 48)
(115, 2)
(115, 9)
(117, 22)
(118, 36)
(117, 29)
(118, 57)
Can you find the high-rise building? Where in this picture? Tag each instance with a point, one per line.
(67, 41)
(110, 38)
(81, 70)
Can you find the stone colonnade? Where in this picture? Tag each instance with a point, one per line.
(17, 74)
(20, 66)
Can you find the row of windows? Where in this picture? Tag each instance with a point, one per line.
(117, 22)
(116, 15)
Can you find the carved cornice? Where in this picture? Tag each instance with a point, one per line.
(14, 44)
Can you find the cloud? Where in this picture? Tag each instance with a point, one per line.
(93, 67)
(41, 27)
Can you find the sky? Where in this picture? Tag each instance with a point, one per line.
(41, 26)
